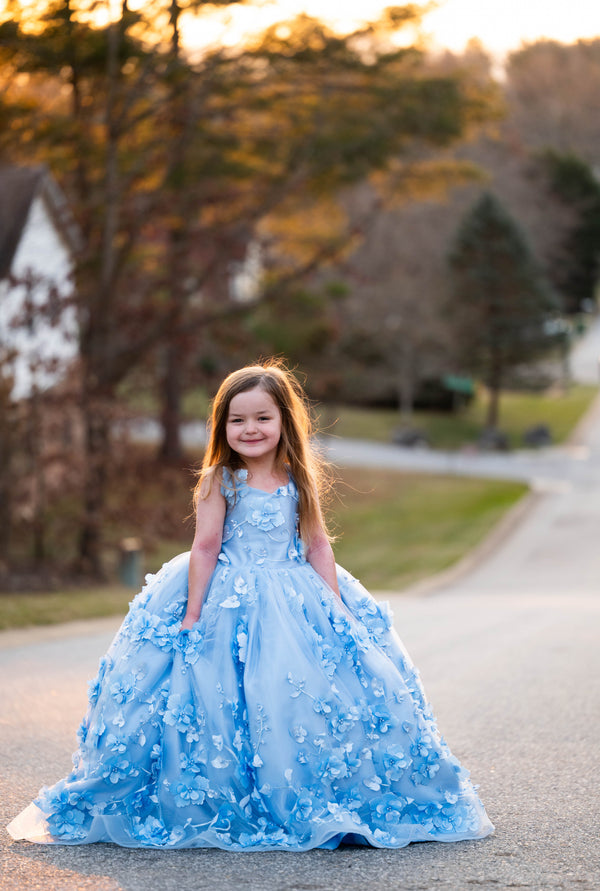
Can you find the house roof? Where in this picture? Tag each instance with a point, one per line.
(18, 188)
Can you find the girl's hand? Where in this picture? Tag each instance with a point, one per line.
(188, 623)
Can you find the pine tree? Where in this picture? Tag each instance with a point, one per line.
(578, 273)
(500, 299)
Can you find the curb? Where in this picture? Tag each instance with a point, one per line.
(477, 555)
(13, 638)
(590, 419)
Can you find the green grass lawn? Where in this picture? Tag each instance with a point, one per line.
(394, 529)
(518, 411)
(397, 529)
(71, 604)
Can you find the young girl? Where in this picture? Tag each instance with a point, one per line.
(256, 697)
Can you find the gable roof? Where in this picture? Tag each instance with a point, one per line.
(18, 188)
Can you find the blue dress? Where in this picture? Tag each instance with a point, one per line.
(284, 720)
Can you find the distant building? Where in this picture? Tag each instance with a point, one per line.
(246, 275)
(38, 242)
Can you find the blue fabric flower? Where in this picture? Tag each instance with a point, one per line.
(188, 644)
(68, 824)
(267, 517)
(303, 808)
(117, 769)
(141, 626)
(388, 809)
(191, 790)
(299, 733)
(151, 831)
(395, 762)
(181, 716)
(123, 689)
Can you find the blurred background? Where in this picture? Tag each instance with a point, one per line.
(403, 202)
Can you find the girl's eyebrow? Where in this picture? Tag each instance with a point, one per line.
(237, 414)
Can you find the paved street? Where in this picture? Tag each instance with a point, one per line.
(510, 657)
(513, 673)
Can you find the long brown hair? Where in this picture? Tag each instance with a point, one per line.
(295, 449)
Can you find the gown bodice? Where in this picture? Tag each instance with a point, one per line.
(260, 527)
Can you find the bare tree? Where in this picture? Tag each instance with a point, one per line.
(552, 93)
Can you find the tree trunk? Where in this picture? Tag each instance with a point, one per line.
(97, 441)
(98, 352)
(7, 428)
(171, 449)
(494, 389)
(406, 382)
(5, 500)
(38, 477)
(171, 384)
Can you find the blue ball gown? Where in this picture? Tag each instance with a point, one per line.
(284, 720)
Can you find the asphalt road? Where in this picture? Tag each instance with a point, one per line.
(514, 676)
(509, 653)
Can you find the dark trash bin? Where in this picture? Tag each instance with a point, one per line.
(130, 562)
(411, 437)
(493, 441)
(537, 436)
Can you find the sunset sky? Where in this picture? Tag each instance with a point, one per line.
(501, 25)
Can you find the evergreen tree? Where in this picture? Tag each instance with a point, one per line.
(501, 301)
(578, 274)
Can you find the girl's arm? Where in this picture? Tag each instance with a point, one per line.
(320, 556)
(210, 516)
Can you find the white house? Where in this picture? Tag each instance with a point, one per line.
(38, 240)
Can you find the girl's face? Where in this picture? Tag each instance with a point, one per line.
(253, 427)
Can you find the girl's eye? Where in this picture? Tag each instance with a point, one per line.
(264, 419)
